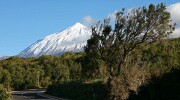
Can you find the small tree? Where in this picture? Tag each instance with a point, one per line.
(61, 73)
(140, 27)
(6, 79)
(4, 95)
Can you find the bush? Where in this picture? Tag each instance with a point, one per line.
(4, 95)
(79, 91)
(131, 79)
(164, 87)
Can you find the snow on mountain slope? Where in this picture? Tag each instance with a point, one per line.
(4, 57)
(72, 39)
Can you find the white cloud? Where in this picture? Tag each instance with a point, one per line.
(112, 16)
(174, 10)
(89, 21)
(176, 33)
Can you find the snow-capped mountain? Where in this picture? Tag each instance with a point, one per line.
(4, 57)
(72, 39)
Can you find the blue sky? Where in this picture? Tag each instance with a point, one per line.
(22, 22)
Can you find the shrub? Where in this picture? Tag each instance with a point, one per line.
(4, 95)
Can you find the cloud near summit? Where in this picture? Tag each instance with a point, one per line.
(89, 21)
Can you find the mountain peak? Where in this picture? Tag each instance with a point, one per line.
(72, 39)
(78, 24)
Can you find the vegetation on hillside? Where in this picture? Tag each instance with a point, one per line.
(76, 76)
(19, 73)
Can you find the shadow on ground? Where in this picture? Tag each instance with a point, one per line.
(165, 87)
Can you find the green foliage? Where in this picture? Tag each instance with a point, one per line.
(151, 61)
(79, 91)
(75, 70)
(132, 31)
(60, 73)
(4, 95)
(69, 75)
(6, 79)
(135, 41)
(1, 71)
(19, 73)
